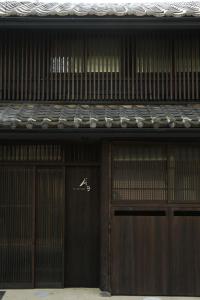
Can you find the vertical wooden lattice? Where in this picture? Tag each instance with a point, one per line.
(16, 208)
(63, 66)
(139, 173)
(49, 228)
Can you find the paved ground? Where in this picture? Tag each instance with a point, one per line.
(74, 294)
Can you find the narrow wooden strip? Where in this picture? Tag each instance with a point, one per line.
(43, 78)
(26, 66)
(132, 37)
(89, 66)
(73, 65)
(116, 66)
(62, 71)
(163, 54)
(128, 66)
(81, 58)
(155, 41)
(9, 64)
(142, 49)
(35, 45)
(193, 66)
(149, 68)
(95, 54)
(85, 67)
(48, 66)
(57, 66)
(39, 67)
(5, 65)
(189, 60)
(1, 64)
(146, 62)
(197, 63)
(53, 65)
(65, 65)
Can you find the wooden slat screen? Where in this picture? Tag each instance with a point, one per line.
(49, 228)
(139, 173)
(155, 172)
(80, 66)
(82, 153)
(29, 152)
(16, 232)
(185, 165)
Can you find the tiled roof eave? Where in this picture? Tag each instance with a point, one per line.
(39, 116)
(139, 8)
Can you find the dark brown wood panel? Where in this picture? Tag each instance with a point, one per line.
(185, 252)
(59, 65)
(16, 235)
(49, 232)
(82, 227)
(139, 252)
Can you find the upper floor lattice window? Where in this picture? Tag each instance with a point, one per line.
(94, 66)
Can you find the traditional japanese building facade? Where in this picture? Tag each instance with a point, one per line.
(100, 146)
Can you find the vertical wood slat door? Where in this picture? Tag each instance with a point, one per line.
(82, 227)
(16, 228)
(185, 252)
(139, 263)
(49, 231)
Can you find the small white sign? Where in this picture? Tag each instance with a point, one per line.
(83, 186)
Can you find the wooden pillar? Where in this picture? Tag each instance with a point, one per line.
(105, 219)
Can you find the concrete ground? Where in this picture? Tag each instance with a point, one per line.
(75, 294)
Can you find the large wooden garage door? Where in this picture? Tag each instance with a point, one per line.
(185, 250)
(140, 251)
(155, 219)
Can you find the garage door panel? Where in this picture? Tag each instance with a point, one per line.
(185, 252)
(139, 252)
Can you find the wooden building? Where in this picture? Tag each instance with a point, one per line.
(100, 146)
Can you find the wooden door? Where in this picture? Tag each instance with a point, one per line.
(139, 252)
(185, 252)
(82, 227)
(16, 226)
(49, 227)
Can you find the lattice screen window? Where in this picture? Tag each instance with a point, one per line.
(139, 173)
(185, 174)
(111, 66)
(94, 55)
(166, 173)
(156, 57)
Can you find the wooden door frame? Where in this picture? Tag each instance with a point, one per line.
(81, 165)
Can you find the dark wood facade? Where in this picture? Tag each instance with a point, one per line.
(115, 208)
(91, 66)
(50, 231)
(146, 217)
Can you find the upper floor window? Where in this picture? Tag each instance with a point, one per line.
(94, 55)
(100, 66)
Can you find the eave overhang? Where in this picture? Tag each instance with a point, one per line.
(90, 14)
(51, 116)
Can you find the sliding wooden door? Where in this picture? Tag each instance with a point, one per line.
(49, 228)
(17, 188)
